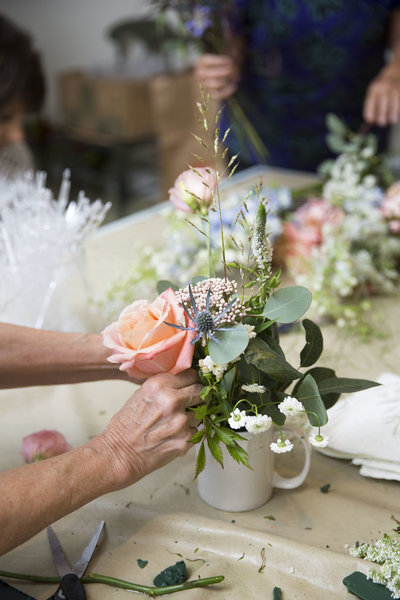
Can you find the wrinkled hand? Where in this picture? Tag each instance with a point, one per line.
(382, 100)
(152, 428)
(218, 74)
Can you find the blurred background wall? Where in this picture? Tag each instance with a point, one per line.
(121, 121)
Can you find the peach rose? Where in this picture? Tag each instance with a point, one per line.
(44, 444)
(194, 191)
(144, 344)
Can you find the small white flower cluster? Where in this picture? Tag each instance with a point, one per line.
(250, 331)
(385, 552)
(253, 388)
(281, 446)
(207, 365)
(318, 440)
(290, 406)
(252, 423)
(221, 292)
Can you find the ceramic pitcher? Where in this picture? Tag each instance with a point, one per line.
(237, 488)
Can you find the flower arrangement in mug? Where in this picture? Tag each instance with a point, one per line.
(345, 243)
(227, 329)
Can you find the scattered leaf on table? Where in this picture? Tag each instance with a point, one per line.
(142, 563)
(325, 488)
(173, 575)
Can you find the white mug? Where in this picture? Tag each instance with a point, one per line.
(237, 488)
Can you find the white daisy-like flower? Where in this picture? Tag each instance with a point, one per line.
(281, 446)
(237, 419)
(253, 388)
(290, 406)
(250, 331)
(318, 440)
(258, 423)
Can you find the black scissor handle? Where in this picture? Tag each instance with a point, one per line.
(70, 588)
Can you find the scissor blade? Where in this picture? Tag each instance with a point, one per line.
(61, 563)
(82, 563)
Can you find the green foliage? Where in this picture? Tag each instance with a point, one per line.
(228, 344)
(314, 344)
(288, 304)
(260, 355)
(307, 393)
(164, 284)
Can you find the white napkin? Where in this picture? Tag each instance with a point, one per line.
(365, 427)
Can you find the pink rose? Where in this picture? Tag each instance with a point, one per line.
(44, 444)
(316, 213)
(144, 344)
(390, 207)
(194, 190)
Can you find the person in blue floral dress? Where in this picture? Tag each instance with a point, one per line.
(294, 61)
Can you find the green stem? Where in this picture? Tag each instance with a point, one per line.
(211, 268)
(255, 140)
(121, 583)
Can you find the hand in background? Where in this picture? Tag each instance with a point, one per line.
(218, 74)
(382, 101)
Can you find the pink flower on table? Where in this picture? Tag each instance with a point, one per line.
(390, 207)
(316, 213)
(144, 344)
(44, 444)
(194, 190)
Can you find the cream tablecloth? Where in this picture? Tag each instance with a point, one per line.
(162, 519)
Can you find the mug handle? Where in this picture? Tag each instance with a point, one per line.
(289, 483)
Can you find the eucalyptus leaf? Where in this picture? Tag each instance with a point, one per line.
(314, 344)
(197, 279)
(288, 304)
(227, 344)
(335, 143)
(319, 374)
(164, 284)
(336, 125)
(227, 380)
(344, 385)
(265, 359)
(308, 394)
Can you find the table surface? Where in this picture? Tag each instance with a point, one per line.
(161, 519)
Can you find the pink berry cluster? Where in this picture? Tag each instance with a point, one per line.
(222, 291)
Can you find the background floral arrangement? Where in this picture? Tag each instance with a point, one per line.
(345, 243)
(226, 328)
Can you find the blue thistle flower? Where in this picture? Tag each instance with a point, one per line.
(205, 324)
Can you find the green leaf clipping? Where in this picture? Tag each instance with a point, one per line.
(308, 394)
(314, 344)
(173, 575)
(288, 304)
(229, 344)
(265, 359)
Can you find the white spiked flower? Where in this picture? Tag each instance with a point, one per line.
(237, 419)
(290, 406)
(318, 440)
(281, 446)
(253, 388)
(260, 244)
(258, 423)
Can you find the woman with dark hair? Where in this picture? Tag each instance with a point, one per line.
(22, 91)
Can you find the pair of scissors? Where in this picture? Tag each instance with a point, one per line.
(71, 587)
